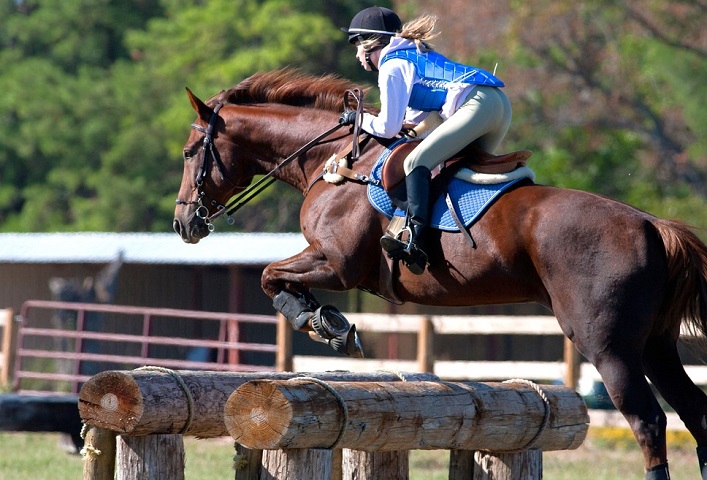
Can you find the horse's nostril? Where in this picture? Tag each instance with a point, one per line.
(177, 226)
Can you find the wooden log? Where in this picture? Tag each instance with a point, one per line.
(360, 465)
(296, 464)
(151, 457)
(146, 402)
(384, 416)
(99, 455)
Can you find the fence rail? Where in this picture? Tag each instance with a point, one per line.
(31, 360)
(21, 365)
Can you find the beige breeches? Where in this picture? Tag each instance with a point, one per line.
(483, 119)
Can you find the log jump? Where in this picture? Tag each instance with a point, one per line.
(386, 416)
(330, 425)
(156, 401)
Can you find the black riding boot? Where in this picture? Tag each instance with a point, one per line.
(417, 184)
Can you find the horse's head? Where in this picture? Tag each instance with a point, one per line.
(210, 175)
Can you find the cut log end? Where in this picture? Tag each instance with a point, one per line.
(260, 413)
(112, 401)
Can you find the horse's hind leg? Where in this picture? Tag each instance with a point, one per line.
(622, 374)
(664, 368)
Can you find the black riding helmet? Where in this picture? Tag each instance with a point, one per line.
(373, 21)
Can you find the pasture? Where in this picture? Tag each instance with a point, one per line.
(608, 453)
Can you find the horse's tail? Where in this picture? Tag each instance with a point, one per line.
(686, 299)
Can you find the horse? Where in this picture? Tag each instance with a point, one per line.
(620, 281)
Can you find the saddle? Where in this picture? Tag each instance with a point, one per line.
(471, 157)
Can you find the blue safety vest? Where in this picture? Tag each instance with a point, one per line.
(437, 72)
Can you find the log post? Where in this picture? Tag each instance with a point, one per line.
(150, 457)
(461, 464)
(99, 454)
(385, 416)
(247, 462)
(525, 465)
(296, 464)
(146, 402)
(360, 465)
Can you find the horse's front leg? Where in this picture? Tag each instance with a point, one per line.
(288, 283)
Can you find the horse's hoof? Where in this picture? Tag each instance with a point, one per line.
(329, 323)
(348, 344)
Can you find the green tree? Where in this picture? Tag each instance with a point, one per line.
(93, 113)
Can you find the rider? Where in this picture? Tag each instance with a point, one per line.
(414, 80)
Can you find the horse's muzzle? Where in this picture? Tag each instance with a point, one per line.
(190, 232)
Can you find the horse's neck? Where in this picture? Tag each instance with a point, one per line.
(275, 150)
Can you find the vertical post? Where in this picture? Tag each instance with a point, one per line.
(99, 454)
(150, 457)
(8, 345)
(461, 464)
(359, 465)
(283, 360)
(297, 464)
(247, 463)
(525, 465)
(572, 365)
(336, 459)
(425, 346)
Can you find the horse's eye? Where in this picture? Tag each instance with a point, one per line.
(187, 155)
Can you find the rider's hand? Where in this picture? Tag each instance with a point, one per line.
(347, 118)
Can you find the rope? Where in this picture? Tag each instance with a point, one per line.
(185, 389)
(546, 416)
(342, 403)
(88, 452)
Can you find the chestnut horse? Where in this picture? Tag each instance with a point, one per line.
(620, 281)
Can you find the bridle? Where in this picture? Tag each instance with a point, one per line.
(237, 202)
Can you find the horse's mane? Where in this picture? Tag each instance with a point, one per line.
(290, 87)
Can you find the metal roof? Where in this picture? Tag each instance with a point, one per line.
(150, 248)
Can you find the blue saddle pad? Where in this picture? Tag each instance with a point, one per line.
(471, 199)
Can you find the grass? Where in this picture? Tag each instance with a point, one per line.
(608, 453)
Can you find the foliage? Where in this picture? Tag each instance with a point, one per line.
(615, 99)
(93, 115)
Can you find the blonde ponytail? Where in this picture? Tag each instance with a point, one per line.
(420, 31)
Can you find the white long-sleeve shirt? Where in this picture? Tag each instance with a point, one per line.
(396, 78)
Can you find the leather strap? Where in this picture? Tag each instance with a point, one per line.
(460, 225)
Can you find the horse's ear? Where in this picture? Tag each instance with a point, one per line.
(203, 110)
